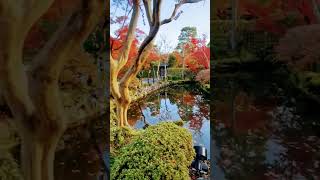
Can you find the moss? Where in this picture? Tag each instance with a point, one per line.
(163, 151)
(119, 136)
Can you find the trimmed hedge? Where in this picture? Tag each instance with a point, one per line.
(163, 151)
(176, 73)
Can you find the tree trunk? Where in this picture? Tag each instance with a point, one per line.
(158, 71)
(165, 73)
(183, 63)
(38, 155)
(122, 111)
(153, 75)
(233, 26)
(149, 77)
(123, 106)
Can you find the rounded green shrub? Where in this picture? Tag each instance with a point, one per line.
(163, 151)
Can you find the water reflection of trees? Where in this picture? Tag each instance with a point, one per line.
(243, 151)
(191, 105)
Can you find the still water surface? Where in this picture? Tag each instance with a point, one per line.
(262, 132)
(172, 104)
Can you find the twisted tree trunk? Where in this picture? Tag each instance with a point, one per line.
(120, 88)
(33, 94)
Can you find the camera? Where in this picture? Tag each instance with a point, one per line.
(199, 167)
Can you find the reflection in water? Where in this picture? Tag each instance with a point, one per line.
(79, 153)
(261, 134)
(173, 104)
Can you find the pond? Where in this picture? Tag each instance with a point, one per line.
(79, 154)
(180, 102)
(263, 131)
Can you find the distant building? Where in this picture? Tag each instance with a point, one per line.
(163, 68)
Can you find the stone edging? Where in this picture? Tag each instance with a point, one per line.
(150, 89)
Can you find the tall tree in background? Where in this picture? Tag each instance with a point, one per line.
(119, 87)
(32, 93)
(234, 16)
(185, 34)
(184, 40)
(198, 54)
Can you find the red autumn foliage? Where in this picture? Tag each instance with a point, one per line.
(271, 16)
(299, 48)
(116, 44)
(188, 99)
(178, 57)
(153, 56)
(198, 54)
(195, 122)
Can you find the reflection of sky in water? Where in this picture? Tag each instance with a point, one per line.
(202, 136)
(169, 111)
(216, 171)
(273, 152)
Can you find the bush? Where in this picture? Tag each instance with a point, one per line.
(299, 48)
(203, 76)
(163, 151)
(172, 61)
(177, 72)
(174, 78)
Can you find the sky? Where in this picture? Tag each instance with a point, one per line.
(197, 14)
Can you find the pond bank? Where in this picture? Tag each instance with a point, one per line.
(142, 93)
(270, 69)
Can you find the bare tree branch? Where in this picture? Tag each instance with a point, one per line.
(131, 34)
(145, 46)
(147, 6)
(176, 8)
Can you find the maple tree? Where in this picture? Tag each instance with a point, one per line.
(185, 35)
(277, 16)
(120, 87)
(177, 57)
(274, 16)
(198, 54)
(299, 48)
